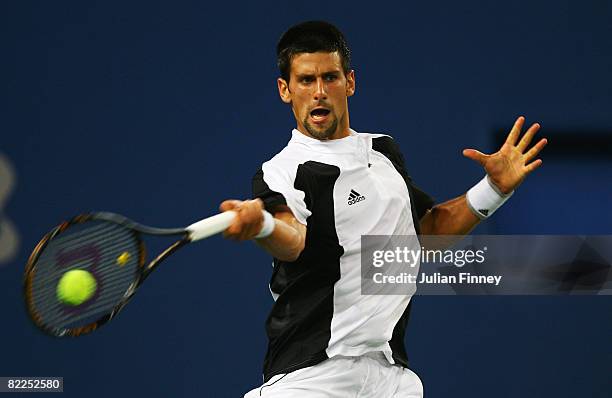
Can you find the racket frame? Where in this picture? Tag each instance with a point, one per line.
(196, 231)
(143, 272)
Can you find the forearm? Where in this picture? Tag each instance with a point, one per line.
(453, 217)
(287, 240)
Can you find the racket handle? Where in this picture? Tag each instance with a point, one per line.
(211, 225)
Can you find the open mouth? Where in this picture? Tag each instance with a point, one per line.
(319, 114)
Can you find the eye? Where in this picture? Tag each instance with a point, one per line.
(330, 78)
(306, 79)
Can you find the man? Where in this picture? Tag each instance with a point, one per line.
(329, 186)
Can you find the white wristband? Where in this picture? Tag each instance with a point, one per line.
(484, 198)
(268, 226)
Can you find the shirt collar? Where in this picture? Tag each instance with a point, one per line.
(341, 145)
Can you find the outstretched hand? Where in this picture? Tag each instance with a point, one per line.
(509, 166)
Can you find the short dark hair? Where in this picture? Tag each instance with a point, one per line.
(311, 37)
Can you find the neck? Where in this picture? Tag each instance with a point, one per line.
(336, 136)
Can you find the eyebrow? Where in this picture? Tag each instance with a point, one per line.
(329, 73)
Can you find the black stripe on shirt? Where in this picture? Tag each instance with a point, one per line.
(299, 325)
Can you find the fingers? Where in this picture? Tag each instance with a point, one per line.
(524, 142)
(475, 155)
(516, 131)
(248, 221)
(229, 204)
(533, 165)
(533, 152)
(251, 216)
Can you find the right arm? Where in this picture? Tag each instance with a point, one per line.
(286, 241)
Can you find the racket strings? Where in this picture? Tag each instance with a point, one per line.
(108, 251)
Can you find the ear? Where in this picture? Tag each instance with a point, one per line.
(350, 83)
(283, 90)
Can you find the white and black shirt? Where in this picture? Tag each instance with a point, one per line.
(340, 189)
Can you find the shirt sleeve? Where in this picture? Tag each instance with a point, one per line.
(275, 186)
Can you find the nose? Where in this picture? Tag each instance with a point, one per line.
(320, 92)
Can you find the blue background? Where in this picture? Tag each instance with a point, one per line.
(159, 111)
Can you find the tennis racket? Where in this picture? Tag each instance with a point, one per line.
(110, 247)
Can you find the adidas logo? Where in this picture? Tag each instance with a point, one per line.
(484, 212)
(355, 197)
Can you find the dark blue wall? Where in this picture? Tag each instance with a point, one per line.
(160, 111)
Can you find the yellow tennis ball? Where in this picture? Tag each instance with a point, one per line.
(76, 286)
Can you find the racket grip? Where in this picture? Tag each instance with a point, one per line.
(211, 225)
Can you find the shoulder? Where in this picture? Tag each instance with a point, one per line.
(383, 143)
(283, 164)
(374, 135)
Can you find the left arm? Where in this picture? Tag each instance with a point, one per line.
(453, 217)
(506, 169)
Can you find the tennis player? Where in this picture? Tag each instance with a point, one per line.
(315, 199)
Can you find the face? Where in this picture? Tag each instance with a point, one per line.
(317, 91)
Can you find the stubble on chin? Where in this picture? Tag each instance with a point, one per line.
(321, 134)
